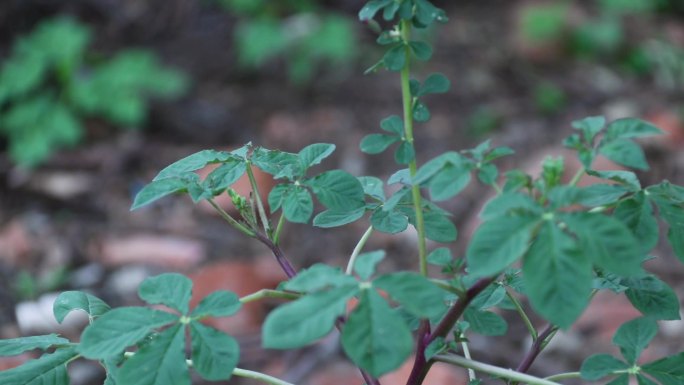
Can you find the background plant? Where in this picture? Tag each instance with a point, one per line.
(540, 238)
(51, 82)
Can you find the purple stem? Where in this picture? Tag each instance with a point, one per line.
(443, 328)
(536, 348)
(420, 365)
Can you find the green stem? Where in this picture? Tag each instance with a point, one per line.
(357, 250)
(466, 355)
(231, 220)
(257, 198)
(575, 179)
(498, 189)
(563, 376)
(523, 315)
(279, 228)
(267, 293)
(259, 377)
(407, 101)
(493, 370)
(239, 372)
(446, 286)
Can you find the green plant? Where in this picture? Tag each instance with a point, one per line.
(541, 238)
(49, 84)
(294, 31)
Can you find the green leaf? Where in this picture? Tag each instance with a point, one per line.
(225, 175)
(668, 370)
(488, 173)
(377, 143)
(624, 152)
(490, 297)
(214, 354)
(601, 194)
(307, 319)
(622, 379)
(120, 328)
(159, 362)
(280, 164)
(157, 190)
(497, 243)
(590, 127)
(49, 369)
(422, 50)
(371, 8)
(607, 241)
(507, 203)
(170, 289)
(598, 366)
(448, 182)
(625, 178)
(438, 227)
(433, 166)
(393, 124)
(373, 187)
(338, 190)
(298, 205)
(395, 58)
(14, 346)
(440, 257)
(637, 214)
(631, 128)
(434, 84)
(365, 263)
(375, 337)
(276, 196)
(68, 301)
(192, 162)
(634, 336)
(331, 218)
(220, 303)
(402, 176)
(557, 276)
(420, 112)
(414, 292)
(653, 298)
(673, 214)
(643, 380)
(314, 154)
(318, 277)
(486, 323)
(391, 222)
(405, 153)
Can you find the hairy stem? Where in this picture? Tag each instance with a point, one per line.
(268, 293)
(357, 250)
(494, 370)
(257, 198)
(420, 363)
(231, 221)
(407, 101)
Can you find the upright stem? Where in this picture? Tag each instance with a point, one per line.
(407, 100)
(257, 198)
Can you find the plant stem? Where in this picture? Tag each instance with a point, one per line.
(257, 198)
(575, 179)
(494, 370)
(357, 250)
(231, 221)
(420, 365)
(278, 254)
(466, 354)
(407, 101)
(563, 376)
(523, 315)
(279, 228)
(267, 293)
(259, 377)
(444, 285)
(537, 346)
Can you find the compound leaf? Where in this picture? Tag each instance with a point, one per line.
(338, 190)
(297, 205)
(634, 336)
(668, 370)
(170, 289)
(214, 354)
(221, 303)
